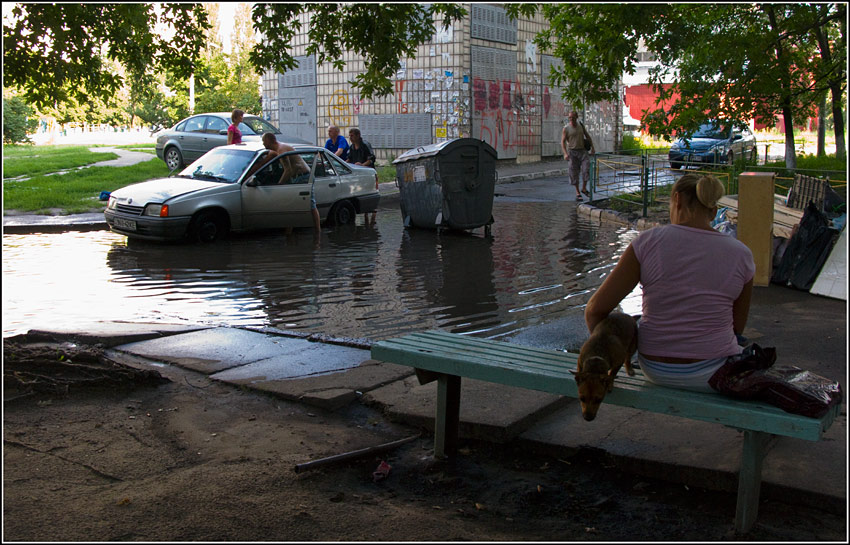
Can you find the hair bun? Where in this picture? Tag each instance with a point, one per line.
(709, 190)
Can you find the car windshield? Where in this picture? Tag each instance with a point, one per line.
(710, 130)
(219, 165)
(256, 125)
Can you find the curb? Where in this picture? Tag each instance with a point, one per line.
(605, 214)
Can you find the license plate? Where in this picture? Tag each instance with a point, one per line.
(128, 225)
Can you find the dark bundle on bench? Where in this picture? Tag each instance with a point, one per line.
(446, 357)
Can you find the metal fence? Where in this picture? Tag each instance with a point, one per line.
(641, 180)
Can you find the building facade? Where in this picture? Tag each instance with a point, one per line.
(482, 77)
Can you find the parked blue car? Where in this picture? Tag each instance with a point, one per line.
(712, 143)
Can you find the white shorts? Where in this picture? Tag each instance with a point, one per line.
(685, 376)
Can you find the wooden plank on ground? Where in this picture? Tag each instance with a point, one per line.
(784, 218)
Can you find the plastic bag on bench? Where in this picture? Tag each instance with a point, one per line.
(752, 375)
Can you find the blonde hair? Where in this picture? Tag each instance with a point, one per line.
(700, 190)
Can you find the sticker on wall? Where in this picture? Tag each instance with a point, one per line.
(440, 132)
(466, 79)
(418, 73)
(447, 57)
(464, 86)
(419, 173)
(429, 85)
(433, 52)
(449, 83)
(444, 35)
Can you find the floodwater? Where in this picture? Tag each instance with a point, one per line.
(373, 282)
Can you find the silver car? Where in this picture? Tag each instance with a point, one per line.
(196, 135)
(221, 192)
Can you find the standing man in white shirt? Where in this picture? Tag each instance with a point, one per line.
(577, 146)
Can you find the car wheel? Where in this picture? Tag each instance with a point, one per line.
(342, 213)
(674, 165)
(208, 226)
(173, 158)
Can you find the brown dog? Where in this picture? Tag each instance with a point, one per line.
(611, 345)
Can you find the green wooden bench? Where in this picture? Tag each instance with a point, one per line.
(446, 357)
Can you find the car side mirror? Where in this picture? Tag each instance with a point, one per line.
(252, 182)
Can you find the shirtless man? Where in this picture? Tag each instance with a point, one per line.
(293, 166)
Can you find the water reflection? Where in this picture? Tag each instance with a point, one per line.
(360, 281)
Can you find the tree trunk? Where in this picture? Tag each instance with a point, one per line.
(838, 121)
(821, 127)
(790, 154)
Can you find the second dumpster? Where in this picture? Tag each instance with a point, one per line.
(448, 185)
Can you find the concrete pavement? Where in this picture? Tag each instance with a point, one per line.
(693, 453)
(808, 331)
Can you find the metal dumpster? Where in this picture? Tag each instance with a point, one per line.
(449, 185)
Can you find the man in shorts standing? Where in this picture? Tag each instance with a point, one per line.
(573, 145)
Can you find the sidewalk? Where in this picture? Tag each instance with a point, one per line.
(696, 454)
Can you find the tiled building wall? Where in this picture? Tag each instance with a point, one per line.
(482, 77)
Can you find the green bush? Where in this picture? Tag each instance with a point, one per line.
(17, 121)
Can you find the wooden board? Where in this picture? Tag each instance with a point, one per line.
(784, 218)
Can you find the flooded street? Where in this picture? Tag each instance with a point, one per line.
(374, 282)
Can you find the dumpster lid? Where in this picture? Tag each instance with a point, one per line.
(436, 149)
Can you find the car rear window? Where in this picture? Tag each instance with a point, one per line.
(256, 125)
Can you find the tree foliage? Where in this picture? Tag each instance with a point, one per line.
(726, 61)
(382, 34)
(17, 121)
(54, 52)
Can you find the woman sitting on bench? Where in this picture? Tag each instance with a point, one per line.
(697, 285)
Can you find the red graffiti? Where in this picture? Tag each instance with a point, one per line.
(479, 95)
(504, 113)
(547, 101)
(493, 103)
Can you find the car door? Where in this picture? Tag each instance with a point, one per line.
(267, 204)
(327, 185)
(192, 138)
(215, 133)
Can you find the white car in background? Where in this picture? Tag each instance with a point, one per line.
(215, 195)
(192, 137)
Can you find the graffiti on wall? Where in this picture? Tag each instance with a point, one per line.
(506, 116)
(343, 108)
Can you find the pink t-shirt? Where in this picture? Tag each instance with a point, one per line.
(690, 279)
(237, 134)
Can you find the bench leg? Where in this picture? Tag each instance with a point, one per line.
(447, 417)
(749, 479)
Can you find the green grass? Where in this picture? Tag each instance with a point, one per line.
(77, 191)
(386, 173)
(33, 161)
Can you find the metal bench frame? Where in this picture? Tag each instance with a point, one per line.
(446, 357)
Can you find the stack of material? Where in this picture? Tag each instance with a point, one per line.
(784, 217)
